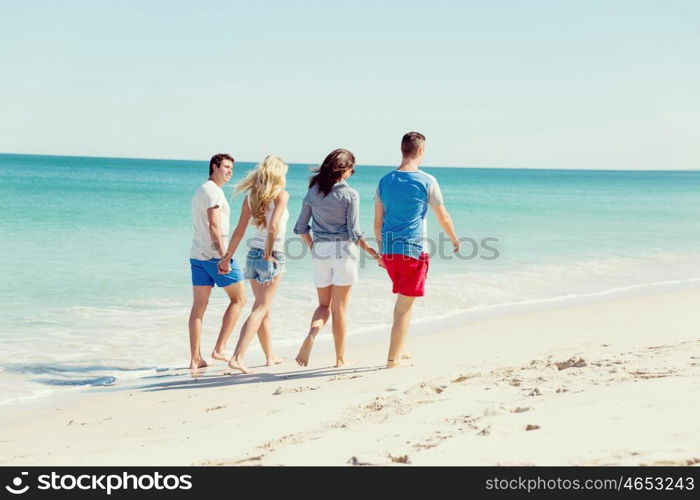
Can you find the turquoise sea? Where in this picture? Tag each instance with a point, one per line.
(94, 280)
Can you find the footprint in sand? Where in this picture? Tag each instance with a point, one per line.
(424, 388)
(214, 408)
(289, 439)
(464, 378)
(377, 404)
(491, 412)
(400, 459)
(289, 390)
(467, 420)
(571, 363)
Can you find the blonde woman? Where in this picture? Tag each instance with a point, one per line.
(265, 207)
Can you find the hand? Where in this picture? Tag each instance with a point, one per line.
(380, 261)
(270, 258)
(224, 266)
(455, 245)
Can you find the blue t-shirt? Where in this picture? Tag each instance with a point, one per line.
(406, 196)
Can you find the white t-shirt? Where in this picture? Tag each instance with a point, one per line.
(208, 195)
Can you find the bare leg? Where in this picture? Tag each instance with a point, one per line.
(318, 321)
(261, 307)
(200, 296)
(402, 320)
(236, 295)
(265, 337)
(339, 302)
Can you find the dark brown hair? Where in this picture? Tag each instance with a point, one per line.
(217, 159)
(332, 169)
(411, 143)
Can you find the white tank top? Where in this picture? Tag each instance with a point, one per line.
(259, 239)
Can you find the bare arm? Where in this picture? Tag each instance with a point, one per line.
(214, 218)
(362, 243)
(274, 225)
(236, 237)
(352, 219)
(378, 221)
(307, 239)
(445, 221)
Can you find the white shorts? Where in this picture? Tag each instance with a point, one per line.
(335, 263)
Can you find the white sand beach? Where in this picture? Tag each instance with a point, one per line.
(612, 382)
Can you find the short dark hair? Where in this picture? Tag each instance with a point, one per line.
(411, 143)
(332, 169)
(217, 159)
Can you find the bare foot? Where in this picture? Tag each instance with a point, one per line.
(398, 363)
(305, 351)
(220, 355)
(197, 363)
(339, 363)
(235, 365)
(405, 355)
(196, 373)
(274, 360)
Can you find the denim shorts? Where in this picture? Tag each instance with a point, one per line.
(263, 271)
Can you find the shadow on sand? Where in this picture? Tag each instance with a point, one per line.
(202, 380)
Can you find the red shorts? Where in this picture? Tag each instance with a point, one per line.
(406, 273)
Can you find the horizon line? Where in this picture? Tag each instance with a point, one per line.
(361, 164)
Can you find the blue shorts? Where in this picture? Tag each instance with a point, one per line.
(206, 273)
(263, 271)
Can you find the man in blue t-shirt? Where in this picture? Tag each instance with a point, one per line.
(401, 204)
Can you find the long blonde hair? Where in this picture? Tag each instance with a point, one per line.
(263, 184)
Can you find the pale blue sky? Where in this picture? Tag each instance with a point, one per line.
(539, 84)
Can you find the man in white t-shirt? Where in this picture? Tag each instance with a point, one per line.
(210, 217)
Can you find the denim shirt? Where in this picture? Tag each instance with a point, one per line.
(335, 216)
